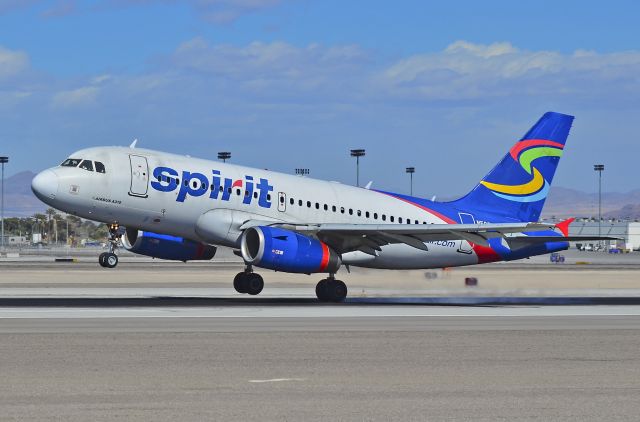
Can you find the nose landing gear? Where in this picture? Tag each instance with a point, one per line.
(110, 259)
(331, 290)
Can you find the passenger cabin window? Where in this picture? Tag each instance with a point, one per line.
(86, 165)
(100, 167)
(70, 162)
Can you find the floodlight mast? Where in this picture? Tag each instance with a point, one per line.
(411, 170)
(3, 161)
(599, 168)
(224, 156)
(358, 153)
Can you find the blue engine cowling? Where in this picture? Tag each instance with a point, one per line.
(284, 250)
(166, 247)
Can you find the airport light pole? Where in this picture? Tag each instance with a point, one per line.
(357, 153)
(3, 161)
(224, 156)
(599, 168)
(302, 172)
(411, 170)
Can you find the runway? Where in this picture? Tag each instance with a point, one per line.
(400, 364)
(78, 344)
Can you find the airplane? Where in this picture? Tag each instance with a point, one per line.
(178, 207)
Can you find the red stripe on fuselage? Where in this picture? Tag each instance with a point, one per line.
(484, 253)
(325, 257)
(430, 211)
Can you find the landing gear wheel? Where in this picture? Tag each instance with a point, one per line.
(101, 259)
(110, 260)
(246, 282)
(331, 290)
(338, 290)
(253, 283)
(322, 292)
(238, 282)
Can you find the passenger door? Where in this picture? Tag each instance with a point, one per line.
(139, 176)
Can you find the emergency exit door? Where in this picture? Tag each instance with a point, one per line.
(282, 201)
(139, 176)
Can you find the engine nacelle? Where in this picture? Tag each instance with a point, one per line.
(165, 247)
(284, 250)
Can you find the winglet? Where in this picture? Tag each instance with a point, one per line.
(564, 226)
(133, 144)
(369, 185)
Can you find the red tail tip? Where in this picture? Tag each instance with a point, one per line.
(564, 226)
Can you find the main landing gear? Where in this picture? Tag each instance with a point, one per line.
(327, 290)
(110, 259)
(248, 282)
(331, 290)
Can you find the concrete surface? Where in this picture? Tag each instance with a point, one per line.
(167, 342)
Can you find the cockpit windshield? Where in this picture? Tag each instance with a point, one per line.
(87, 165)
(84, 164)
(70, 162)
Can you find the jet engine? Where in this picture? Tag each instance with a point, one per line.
(165, 247)
(285, 250)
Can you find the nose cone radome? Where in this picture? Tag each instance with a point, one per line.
(45, 185)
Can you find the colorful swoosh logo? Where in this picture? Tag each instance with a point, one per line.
(525, 153)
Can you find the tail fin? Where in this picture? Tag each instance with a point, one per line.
(518, 186)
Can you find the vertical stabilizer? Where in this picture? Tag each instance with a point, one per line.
(517, 187)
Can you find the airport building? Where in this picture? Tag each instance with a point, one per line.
(629, 231)
(14, 240)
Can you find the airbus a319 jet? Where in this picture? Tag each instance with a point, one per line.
(180, 208)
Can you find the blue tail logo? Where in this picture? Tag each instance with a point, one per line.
(517, 187)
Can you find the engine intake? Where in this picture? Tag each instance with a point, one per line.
(166, 247)
(285, 250)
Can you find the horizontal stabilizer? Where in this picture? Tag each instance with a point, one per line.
(518, 242)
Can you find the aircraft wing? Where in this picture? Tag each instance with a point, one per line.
(368, 238)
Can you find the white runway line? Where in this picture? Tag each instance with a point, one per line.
(276, 380)
(318, 312)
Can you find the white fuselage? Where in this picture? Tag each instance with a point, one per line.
(130, 193)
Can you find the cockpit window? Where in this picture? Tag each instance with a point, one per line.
(99, 167)
(87, 165)
(70, 162)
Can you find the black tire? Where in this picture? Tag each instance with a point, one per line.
(238, 282)
(110, 260)
(101, 259)
(338, 291)
(322, 290)
(253, 284)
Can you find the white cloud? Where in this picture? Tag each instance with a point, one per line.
(227, 11)
(12, 62)
(78, 97)
(7, 6)
(274, 68)
(215, 11)
(474, 71)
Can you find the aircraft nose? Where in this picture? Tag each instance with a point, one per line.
(45, 185)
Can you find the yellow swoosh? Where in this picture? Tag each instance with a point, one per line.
(533, 186)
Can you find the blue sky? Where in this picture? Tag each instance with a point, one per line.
(445, 87)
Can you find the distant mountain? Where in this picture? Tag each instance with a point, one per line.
(561, 203)
(19, 201)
